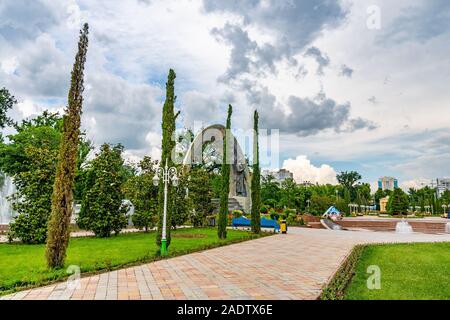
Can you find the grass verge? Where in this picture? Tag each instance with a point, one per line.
(23, 266)
(416, 271)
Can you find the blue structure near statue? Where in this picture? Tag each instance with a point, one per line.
(265, 223)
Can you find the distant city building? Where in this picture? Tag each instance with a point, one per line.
(306, 184)
(442, 185)
(278, 175)
(387, 183)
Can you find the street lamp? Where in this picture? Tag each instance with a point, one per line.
(167, 174)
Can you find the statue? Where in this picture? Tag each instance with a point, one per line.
(240, 180)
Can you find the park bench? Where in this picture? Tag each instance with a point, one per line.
(265, 223)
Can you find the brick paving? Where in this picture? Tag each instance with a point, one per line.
(292, 266)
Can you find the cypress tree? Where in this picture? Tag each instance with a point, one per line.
(256, 179)
(168, 145)
(62, 198)
(225, 173)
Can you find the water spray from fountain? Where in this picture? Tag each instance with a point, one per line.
(7, 188)
(403, 227)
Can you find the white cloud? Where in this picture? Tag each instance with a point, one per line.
(304, 170)
(28, 108)
(9, 66)
(414, 183)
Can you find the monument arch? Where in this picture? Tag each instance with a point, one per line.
(240, 175)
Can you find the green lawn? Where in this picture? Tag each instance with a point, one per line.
(408, 271)
(24, 265)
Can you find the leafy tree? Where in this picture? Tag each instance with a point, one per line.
(348, 181)
(143, 195)
(445, 197)
(320, 204)
(398, 202)
(7, 101)
(30, 159)
(363, 193)
(270, 191)
(216, 184)
(168, 146)
(201, 192)
(256, 180)
(225, 172)
(102, 209)
(62, 198)
(289, 194)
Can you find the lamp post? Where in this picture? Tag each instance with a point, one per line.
(308, 202)
(166, 174)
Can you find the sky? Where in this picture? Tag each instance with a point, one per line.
(349, 85)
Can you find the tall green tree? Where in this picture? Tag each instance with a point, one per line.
(289, 194)
(270, 191)
(102, 209)
(7, 101)
(225, 172)
(256, 179)
(168, 148)
(348, 181)
(62, 198)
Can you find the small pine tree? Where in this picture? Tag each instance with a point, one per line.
(256, 179)
(167, 146)
(398, 202)
(225, 172)
(62, 199)
(102, 209)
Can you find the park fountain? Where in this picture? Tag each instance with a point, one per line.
(7, 188)
(403, 227)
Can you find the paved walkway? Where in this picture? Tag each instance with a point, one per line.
(292, 266)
